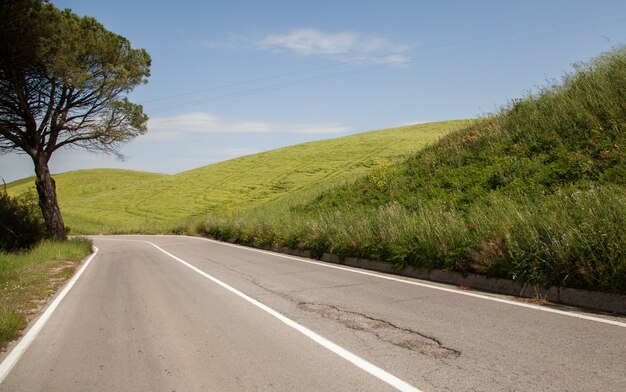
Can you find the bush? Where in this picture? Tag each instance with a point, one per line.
(21, 223)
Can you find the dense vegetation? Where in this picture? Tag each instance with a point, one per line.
(21, 223)
(536, 193)
(114, 201)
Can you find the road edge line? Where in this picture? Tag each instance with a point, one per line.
(414, 283)
(359, 362)
(16, 353)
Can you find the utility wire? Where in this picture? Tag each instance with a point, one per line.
(379, 66)
(347, 62)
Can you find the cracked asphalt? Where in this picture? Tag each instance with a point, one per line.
(137, 320)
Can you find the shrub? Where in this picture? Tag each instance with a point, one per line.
(21, 223)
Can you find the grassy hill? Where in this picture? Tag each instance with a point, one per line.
(536, 192)
(93, 201)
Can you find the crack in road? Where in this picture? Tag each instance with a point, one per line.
(384, 330)
(339, 286)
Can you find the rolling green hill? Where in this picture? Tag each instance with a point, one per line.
(535, 193)
(93, 201)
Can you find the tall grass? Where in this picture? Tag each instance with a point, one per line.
(28, 277)
(536, 193)
(570, 239)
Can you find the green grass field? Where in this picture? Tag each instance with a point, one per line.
(106, 200)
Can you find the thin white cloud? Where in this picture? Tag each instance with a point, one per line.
(344, 46)
(310, 41)
(177, 143)
(215, 44)
(177, 127)
(232, 41)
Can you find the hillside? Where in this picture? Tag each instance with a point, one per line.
(93, 201)
(536, 193)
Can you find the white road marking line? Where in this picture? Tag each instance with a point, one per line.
(415, 283)
(20, 348)
(370, 368)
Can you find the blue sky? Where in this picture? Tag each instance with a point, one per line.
(238, 77)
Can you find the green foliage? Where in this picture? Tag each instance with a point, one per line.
(30, 276)
(572, 238)
(11, 323)
(78, 67)
(21, 224)
(535, 193)
(63, 82)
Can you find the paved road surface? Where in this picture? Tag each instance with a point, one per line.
(194, 315)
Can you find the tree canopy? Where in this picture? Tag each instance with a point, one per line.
(63, 83)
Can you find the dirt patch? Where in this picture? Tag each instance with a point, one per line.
(536, 301)
(401, 337)
(67, 269)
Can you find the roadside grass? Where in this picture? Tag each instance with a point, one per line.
(535, 193)
(28, 278)
(121, 201)
(569, 239)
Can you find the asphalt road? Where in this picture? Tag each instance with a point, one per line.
(187, 314)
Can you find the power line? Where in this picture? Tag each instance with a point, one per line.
(371, 68)
(307, 70)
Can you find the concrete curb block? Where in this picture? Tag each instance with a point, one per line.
(606, 302)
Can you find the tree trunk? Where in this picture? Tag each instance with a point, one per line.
(46, 188)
